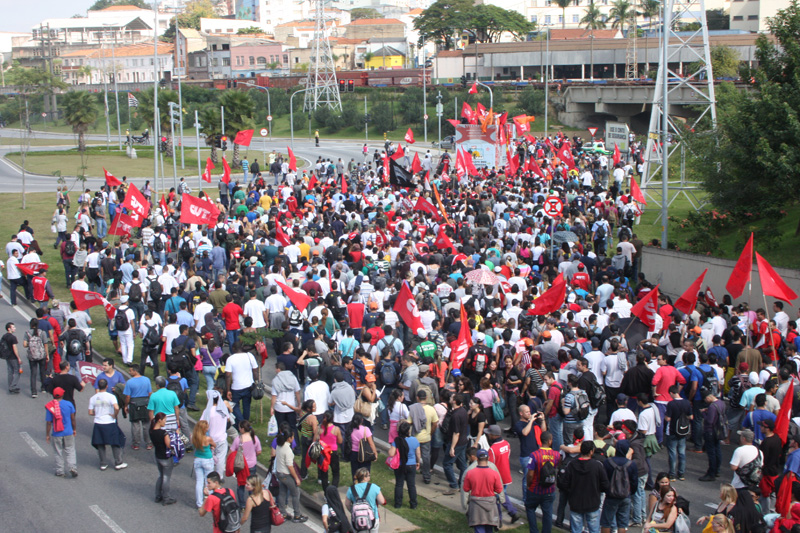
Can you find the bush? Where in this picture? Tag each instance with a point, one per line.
(382, 117)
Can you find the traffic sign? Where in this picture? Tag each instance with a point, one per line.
(269, 118)
(44, 114)
(553, 206)
(264, 132)
(592, 131)
(425, 116)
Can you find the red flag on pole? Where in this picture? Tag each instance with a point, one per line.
(461, 167)
(521, 122)
(292, 160)
(312, 181)
(636, 192)
(453, 122)
(710, 300)
(33, 268)
(281, 236)
(207, 172)
(111, 181)
(243, 138)
(406, 307)
(409, 136)
(467, 112)
(784, 501)
(424, 205)
(344, 184)
(785, 414)
(299, 299)
(416, 165)
(617, 154)
(398, 153)
(742, 271)
(122, 225)
(565, 154)
(688, 300)
(136, 203)
(226, 171)
(473, 89)
(772, 283)
(460, 347)
(197, 211)
(469, 162)
(647, 308)
(552, 299)
(385, 166)
(442, 241)
(163, 204)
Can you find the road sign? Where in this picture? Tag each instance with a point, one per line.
(425, 116)
(592, 131)
(44, 114)
(264, 132)
(269, 118)
(553, 206)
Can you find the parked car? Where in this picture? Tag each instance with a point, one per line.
(596, 147)
(448, 143)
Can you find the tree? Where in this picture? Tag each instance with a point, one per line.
(364, 13)
(443, 22)
(211, 126)
(593, 20)
(102, 4)
(80, 112)
(563, 4)
(146, 111)
(650, 10)
(382, 117)
(252, 30)
(532, 101)
(239, 110)
(725, 62)
(718, 19)
(490, 22)
(190, 18)
(622, 13)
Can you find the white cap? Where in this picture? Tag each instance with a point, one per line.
(753, 378)
(123, 299)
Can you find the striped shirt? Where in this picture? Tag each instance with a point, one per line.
(537, 459)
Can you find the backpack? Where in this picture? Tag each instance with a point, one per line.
(121, 322)
(392, 349)
(446, 425)
(249, 250)
(388, 373)
(70, 248)
(186, 250)
(181, 357)
(221, 235)
(230, 517)
(429, 399)
(74, 346)
(750, 474)
(177, 448)
(600, 234)
(362, 515)
(582, 404)
(547, 473)
(710, 383)
(135, 294)
(151, 337)
(596, 393)
(36, 349)
(738, 385)
(561, 475)
(508, 350)
(155, 290)
(683, 426)
(365, 454)
(158, 244)
(175, 386)
(480, 361)
(620, 483)
(315, 451)
(6, 352)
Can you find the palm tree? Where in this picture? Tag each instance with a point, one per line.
(239, 111)
(622, 13)
(210, 120)
(650, 9)
(80, 112)
(165, 96)
(563, 4)
(593, 20)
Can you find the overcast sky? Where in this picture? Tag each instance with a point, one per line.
(23, 20)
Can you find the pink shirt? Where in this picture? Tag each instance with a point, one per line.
(486, 396)
(329, 438)
(250, 449)
(358, 434)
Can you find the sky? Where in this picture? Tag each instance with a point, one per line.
(22, 20)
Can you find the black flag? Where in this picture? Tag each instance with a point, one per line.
(399, 176)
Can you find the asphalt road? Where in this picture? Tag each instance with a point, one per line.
(96, 501)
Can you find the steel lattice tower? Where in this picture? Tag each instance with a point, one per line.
(323, 89)
(678, 48)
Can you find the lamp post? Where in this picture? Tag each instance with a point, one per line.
(491, 95)
(291, 112)
(116, 90)
(269, 105)
(546, 81)
(157, 132)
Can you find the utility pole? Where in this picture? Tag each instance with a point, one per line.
(157, 136)
(197, 141)
(174, 117)
(222, 116)
(179, 58)
(546, 83)
(105, 100)
(665, 124)
(439, 113)
(366, 120)
(424, 94)
(24, 145)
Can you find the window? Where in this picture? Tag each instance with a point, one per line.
(575, 19)
(226, 47)
(752, 17)
(534, 18)
(738, 18)
(547, 20)
(226, 61)
(262, 60)
(561, 19)
(215, 62)
(252, 60)
(285, 58)
(296, 60)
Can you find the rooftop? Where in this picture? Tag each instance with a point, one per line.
(134, 50)
(374, 22)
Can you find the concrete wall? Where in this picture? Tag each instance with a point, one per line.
(675, 271)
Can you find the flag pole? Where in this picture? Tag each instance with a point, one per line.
(769, 331)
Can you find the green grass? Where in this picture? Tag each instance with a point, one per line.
(15, 142)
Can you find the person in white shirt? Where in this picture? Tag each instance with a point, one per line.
(171, 332)
(256, 310)
(622, 413)
(596, 359)
(241, 371)
(649, 417)
(200, 312)
(743, 455)
(126, 336)
(781, 319)
(104, 407)
(318, 391)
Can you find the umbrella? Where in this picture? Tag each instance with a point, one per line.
(482, 276)
(634, 329)
(565, 236)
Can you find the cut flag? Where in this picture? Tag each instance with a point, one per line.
(243, 138)
(111, 181)
(785, 414)
(164, 206)
(424, 205)
(137, 205)
(443, 242)
(636, 192)
(741, 271)
(281, 236)
(453, 122)
(409, 136)
(647, 308)
(406, 307)
(207, 172)
(88, 299)
(33, 268)
(468, 113)
(565, 154)
(469, 162)
(299, 299)
(771, 282)
(398, 153)
(552, 299)
(198, 211)
(688, 300)
(292, 160)
(122, 225)
(226, 171)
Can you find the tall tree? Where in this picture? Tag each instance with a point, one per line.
(443, 22)
(622, 13)
(146, 112)
(593, 20)
(650, 10)
(210, 120)
(718, 19)
(239, 110)
(80, 112)
(563, 4)
(102, 4)
(490, 22)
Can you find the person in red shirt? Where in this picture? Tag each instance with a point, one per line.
(483, 485)
(214, 493)
(581, 279)
(231, 313)
(499, 455)
(665, 377)
(42, 292)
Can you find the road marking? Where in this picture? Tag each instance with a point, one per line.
(33, 444)
(106, 519)
(313, 526)
(17, 308)
(712, 505)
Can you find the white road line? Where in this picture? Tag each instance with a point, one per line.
(33, 444)
(712, 505)
(106, 519)
(313, 526)
(17, 308)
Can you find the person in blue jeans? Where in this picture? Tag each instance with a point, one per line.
(617, 507)
(586, 481)
(203, 458)
(455, 444)
(676, 444)
(541, 492)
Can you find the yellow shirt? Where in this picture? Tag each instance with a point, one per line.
(305, 250)
(431, 419)
(265, 202)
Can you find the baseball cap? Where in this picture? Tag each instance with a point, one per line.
(123, 299)
(744, 367)
(58, 392)
(746, 433)
(421, 333)
(456, 372)
(621, 398)
(769, 423)
(424, 368)
(494, 430)
(753, 378)
(482, 454)
(546, 334)
(480, 337)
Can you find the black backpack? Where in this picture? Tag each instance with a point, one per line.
(620, 484)
(70, 248)
(158, 244)
(547, 473)
(710, 383)
(186, 250)
(6, 352)
(121, 322)
(447, 425)
(581, 404)
(596, 392)
(135, 294)
(155, 290)
(74, 346)
(230, 514)
(181, 356)
(561, 475)
(738, 385)
(152, 337)
(683, 426)
(175, 386)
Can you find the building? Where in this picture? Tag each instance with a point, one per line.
(131, 64)
(225, 26)
(257, 56)
(368, 28)
(385, 57)
(752, 15)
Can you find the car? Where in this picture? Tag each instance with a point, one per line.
(596, 147)
(448, 143)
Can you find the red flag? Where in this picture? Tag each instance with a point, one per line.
(636, 192)
(741, 271)
(122, 225)
(292, 160)
(710, 300)
(355, 312)
(409, 136)
(688, 300)
(521, 122)
(243, 138)
(385, 166)
(416, 165)
(473, 89)
(163, 205)
(533, 166)
(424, 205)
(617, 155)
(136, 203)
(565, 154)
(480, 110)
(772, 283)
(406, 307)
(445, 167)
(344, 185)
(86, 299)
(33, 268)
(398, 153)
(197, 211)
(552, 299)
(461, 167)
(784, 501)
(646, 308)
(207, 172)
(469, 162)
(380, 238)
(299, 299)
(460, 347)
(226, 171)
(281, 236)
(111, 181)
(453, 122)
(468, 113)
(312, 181)
(442, 241)
(785, 414)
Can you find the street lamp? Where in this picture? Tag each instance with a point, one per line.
(269, 106)
(116, 90)
(491, 95)
(546, 80)
(291, 111)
